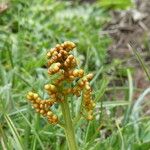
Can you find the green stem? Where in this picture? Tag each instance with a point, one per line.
(69, 128)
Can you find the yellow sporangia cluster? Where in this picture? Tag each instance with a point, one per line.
(69, 81)
(43, 106)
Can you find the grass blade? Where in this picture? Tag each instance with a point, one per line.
(141, 62)
(15, 134)
(130, 97)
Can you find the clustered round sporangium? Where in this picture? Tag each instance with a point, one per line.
(69, 81)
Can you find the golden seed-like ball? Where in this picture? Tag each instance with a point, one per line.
(54, 68)
(65, 64)
(50, 87)
(70, 57)
(49, 54)
(58, 47)
(49, 113)
(30, 95)
(87, 87)
(69, 45)
(59, 55)
(35, 96)
(53, 88)
(90, 117)
(75, 72)
(90, 76)
(54, 58)
(81, 73)
(47, 87)
(84, 79)
(73, 62)
(54, 117)
(81, 83)
(42, 111)
(41, 106)
(46, 106)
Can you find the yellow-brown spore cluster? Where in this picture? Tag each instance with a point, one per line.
(43, 106)
(63, 64)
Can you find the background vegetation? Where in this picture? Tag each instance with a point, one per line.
(27, 30)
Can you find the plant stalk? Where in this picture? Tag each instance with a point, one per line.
(69, 128)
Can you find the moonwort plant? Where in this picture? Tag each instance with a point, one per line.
(68, 81)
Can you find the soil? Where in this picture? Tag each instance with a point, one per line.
(130, 29)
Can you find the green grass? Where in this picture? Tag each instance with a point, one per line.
(115, 4)
(27, 30)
